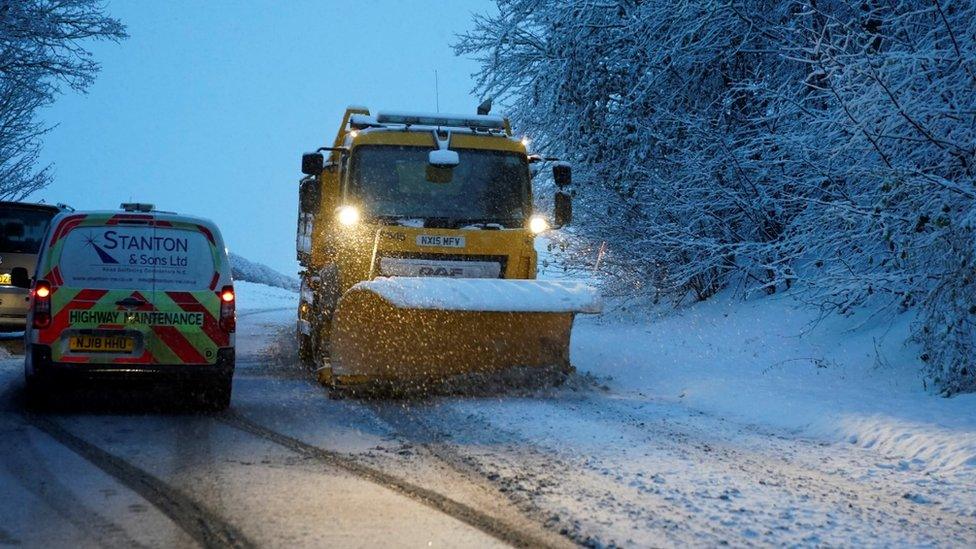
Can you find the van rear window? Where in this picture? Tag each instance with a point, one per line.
(137, 258)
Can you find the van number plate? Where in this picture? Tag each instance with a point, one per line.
(101, 344)
(440, 241)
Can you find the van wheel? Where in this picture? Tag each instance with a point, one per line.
(215, 397)
(37, 392)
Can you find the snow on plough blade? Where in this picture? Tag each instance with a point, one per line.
(405, 332)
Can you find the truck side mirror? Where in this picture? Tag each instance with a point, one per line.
(562, 174)
(312, 163)
(19, 278)
(563, 214)
(309, 196)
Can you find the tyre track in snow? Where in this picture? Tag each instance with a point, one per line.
(204, 526)
(46, 486)
(270, 363)
(414, 427)
(869, 504)
(32, 473)
(460, 511)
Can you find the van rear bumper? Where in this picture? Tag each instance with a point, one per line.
(13, 309)
(46, 369)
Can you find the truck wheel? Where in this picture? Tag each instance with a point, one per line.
(325, 340)
(306, 352)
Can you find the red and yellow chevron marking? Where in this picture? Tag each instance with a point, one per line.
(162, 344)
(211, 326)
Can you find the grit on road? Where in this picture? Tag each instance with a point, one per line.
(288, 466)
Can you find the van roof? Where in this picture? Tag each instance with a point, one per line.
(160, 215)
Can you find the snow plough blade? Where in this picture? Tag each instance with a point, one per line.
(404, 333)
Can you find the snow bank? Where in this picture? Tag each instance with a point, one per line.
(252, 296)
(765, 362)
(485, 294)
(250, 271)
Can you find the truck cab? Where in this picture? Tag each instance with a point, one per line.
(415, 195)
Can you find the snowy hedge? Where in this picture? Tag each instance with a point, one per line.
(826, 144)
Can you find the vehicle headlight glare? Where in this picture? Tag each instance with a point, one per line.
(538, 224)
(348, 216)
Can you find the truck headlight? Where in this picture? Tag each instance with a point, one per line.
(348, 215)
(538, 224)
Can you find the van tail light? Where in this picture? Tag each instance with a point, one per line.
(41, 296)
(228, 317)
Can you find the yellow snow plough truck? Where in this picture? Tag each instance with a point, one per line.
(416, 238)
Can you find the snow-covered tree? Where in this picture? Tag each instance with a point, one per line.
(828, 144)
(41, 51)
(882, 161)
(647, 99)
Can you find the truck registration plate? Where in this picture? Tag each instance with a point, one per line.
(440, 241)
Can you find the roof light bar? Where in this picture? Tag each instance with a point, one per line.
(137, 207)
(457, 121)
(362, 121)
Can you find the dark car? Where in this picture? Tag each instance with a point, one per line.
(22, 229)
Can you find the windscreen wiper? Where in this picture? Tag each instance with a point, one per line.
(440, 222)
(390, 219)
(487, 223)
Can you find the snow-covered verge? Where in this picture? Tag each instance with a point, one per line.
(767, 362)
(250, 271)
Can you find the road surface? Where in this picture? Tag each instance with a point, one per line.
(287, 466)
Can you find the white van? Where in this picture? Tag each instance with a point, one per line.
(132, 294)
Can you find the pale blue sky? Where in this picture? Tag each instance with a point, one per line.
(207, 107)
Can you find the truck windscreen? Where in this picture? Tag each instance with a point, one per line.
(22, 229)
(486, 186)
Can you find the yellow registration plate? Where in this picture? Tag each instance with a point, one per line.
(6, 279)
(101, 344)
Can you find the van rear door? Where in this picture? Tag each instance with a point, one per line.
(187, 262)
(99, 290)
(134, 289)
